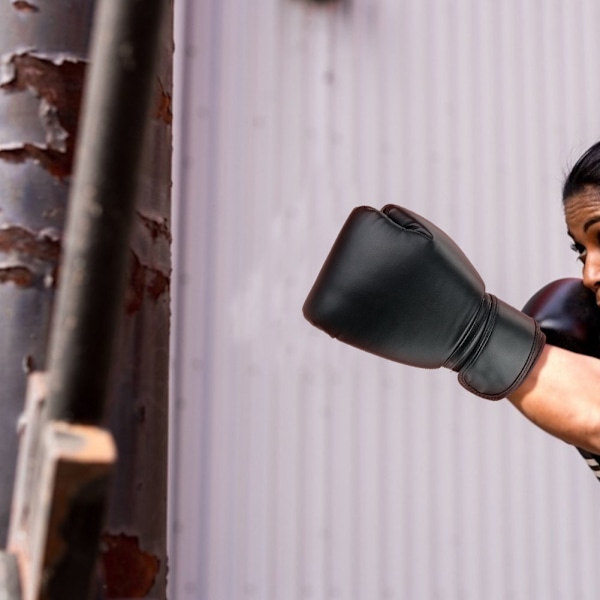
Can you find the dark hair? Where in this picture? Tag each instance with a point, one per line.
(585, 173)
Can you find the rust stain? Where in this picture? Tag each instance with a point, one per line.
(24, 6)
(158, 284)
(134, 294)
(51, 160)
(163, 110)
(59, 86)
(157, 228)
(23, 241)
(20, 276)
(143, 280)
(128, 571)
(32, 246)
(28, 363)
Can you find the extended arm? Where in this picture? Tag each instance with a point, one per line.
(397, 286)
(562, 396)
(561, 393)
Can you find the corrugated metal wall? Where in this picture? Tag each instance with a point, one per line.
(305, 469)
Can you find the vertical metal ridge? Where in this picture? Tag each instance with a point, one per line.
(323, 471)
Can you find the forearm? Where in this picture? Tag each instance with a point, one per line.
(562, 396)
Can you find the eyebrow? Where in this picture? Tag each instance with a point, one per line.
(591, 222)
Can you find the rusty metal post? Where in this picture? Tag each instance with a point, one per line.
(40, 92)
(43, 50)
(101, 208)
(122, 86)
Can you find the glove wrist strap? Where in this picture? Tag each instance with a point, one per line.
(506, 352)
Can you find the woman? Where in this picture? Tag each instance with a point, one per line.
(397, 286)
(561, 393)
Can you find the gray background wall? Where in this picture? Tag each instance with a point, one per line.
(304, 469)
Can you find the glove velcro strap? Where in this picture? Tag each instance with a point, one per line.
(507, 349)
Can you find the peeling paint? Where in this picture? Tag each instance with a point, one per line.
(19, 275)
(28, 364)
(39, 246)
(29, 246)
(128, 571)
(24, 6)
(58, 82)
(53, 161)
(164, 105)
(142, 280)
(156, 227)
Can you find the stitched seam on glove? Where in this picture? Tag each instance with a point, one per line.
(474, 337)
(413, 227)
(539, 340)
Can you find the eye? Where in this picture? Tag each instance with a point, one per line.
(580, 250)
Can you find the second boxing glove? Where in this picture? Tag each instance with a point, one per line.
(567, 313)
(397, 286)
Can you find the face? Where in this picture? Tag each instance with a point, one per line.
(582, 214)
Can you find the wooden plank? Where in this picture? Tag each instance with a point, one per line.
(58, 522)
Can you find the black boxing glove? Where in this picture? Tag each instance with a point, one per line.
(397, 286)
(568, 314)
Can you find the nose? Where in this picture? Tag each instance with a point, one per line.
(591, 271)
